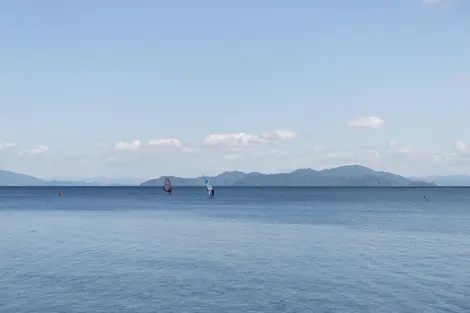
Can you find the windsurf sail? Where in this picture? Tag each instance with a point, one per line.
(167, 185)
(208, 184)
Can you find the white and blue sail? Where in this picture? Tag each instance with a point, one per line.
(208, 184)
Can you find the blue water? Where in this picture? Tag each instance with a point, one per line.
(249, 250)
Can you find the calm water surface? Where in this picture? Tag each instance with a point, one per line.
(249, 250)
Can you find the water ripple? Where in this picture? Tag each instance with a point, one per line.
(287, 259)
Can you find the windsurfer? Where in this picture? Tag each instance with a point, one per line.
(212, 192)
(169, 190)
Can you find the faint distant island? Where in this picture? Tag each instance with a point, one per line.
(349, 175)
(12, 179)
(447, 180)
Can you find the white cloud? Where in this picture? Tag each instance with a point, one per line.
(393, 157)
(235, 149)
(165, 142)
(248, 153)
(460, 145)
(7, 145)
(274, 152)
(356, 155)
(460, 156)
(279, 135)
(405, 152)
(239, 139)
(318, 148)
(244, 139)
(137, 144)
(367, 122)
(127, 145)
(392, 144)
(38, 150)
(231, 156)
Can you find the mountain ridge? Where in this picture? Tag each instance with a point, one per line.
(455, 180)
(348, 175)
(10, 178)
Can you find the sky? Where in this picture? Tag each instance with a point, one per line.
(143, 88)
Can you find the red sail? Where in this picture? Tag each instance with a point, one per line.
(167, 185)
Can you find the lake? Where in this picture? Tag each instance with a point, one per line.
(134, 249)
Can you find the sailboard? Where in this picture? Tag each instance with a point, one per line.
(208, 184)
(167, 185)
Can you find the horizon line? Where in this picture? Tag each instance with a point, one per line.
(93, 179)
(228, 186)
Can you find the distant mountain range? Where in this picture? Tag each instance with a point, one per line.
(447, 180)
(8, 178)
(97, 181)
(350, 175)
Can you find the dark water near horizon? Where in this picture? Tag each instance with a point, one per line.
(131, 249)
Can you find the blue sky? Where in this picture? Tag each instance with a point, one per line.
(85, 79)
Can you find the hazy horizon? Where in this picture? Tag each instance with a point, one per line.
(138, 180)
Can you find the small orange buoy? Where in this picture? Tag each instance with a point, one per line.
(61, 194)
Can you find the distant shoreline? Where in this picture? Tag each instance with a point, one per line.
(230, 187)
(339, 177)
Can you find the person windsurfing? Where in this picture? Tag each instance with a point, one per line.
(209, 187)
(168, 191)
(167, 187)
